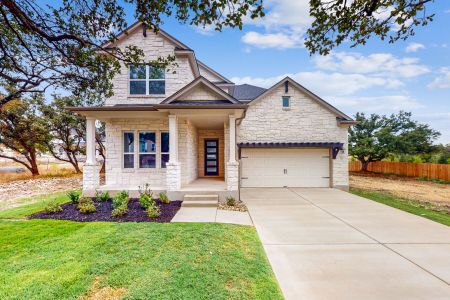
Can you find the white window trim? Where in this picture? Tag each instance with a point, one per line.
(152, 152)
(147, 81)
(123, 150)
(160, 148)
(289, 102)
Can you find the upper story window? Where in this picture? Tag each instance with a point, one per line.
(286, 102)
(147, 80)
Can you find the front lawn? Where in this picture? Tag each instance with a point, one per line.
(48, 259)
(410, 206)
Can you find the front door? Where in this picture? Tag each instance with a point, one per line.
(211, 157)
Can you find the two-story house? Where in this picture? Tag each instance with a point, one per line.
(193, 131)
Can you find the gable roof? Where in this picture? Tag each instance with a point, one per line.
(246, 92)
(224, 79)
(339, 114)
(196, 82)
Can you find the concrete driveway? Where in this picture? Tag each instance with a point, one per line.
(329, 244)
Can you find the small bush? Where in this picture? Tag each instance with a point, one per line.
(120, 199)
(146, 200)
(102, 196)
(86, 205)
(74, 196)
(231, 201)
(120, 211)
(153, 211)
(163, 198)
(52, 208)
(146, 190)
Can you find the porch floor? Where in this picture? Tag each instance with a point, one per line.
(205, 184)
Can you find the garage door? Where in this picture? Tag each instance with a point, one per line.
(285, 167)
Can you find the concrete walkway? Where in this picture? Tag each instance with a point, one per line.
(212, 214)
(329, 244)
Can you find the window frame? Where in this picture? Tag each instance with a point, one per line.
(128, 153)
(289, 102)
(161, 150)
(147, 81)
(139, 153)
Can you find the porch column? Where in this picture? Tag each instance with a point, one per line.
(173, 168)
(232, 177)
(91, 170)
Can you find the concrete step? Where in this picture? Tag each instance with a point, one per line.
(201, 198)
(200, 203)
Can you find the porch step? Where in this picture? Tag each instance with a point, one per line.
(200, 200)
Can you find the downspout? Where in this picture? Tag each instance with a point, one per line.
(238, 121)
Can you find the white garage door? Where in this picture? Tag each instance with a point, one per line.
(285, 167)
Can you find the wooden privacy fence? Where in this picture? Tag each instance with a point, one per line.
(426, 170)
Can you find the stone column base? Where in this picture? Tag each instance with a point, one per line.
(173, 176)
(91, 179)
(232, 177)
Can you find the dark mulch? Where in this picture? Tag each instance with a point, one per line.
(135, 213)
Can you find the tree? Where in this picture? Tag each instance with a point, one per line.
(67, 130)
(100, 136)
(64, 45)
(375, 137)
(23, 130)
(335, 21)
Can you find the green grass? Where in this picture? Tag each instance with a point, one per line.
(413, 207)
(438, 181)
(50, 259)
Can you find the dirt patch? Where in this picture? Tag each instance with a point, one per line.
(135, 213)
(404, 187)
(13, 193)
(240, 206)
(104, 293)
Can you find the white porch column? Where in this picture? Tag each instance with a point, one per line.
(232, 173)
(173, 168)
(91, 170)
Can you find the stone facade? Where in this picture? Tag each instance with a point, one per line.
(209, 75)
(173, 180)
(232, 176)
(187, 150)
(200, 93)
(305, 121)
(91, 179)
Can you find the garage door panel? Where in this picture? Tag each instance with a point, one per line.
(285, 167)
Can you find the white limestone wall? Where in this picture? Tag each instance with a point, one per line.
(209, 75)
(187, 151)
(305, 121)
(116, 175)
(200, 93)
(154, 46)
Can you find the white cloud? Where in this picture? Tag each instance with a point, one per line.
(271, 40)
(442, 81)
(382, 104)
(205, 30)
(381, 64)
(413, 47)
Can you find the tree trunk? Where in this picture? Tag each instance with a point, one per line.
(73, 161)
(33, 164)
(364, 165)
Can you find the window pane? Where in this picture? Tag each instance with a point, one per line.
(211, 170)
(211, 163)
(147, 160)
(137, 72)
(128, 160)
(156, 73)
(164, 142)
(211, 156)
(211, 150)
(212, 143)
(128, 142)
(164, 160)
(137, 87)
(285, 101)
(157, 87)
(147, 142)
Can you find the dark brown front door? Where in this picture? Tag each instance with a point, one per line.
(211, 157)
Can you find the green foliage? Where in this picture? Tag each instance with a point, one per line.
(74, 196)
(102, 196)
(336, 21)
(146, 201)
(120, 199)
(163, 198)
(231, 201)
(53, 207)
(153, 211)
(375, 137)
(120, 211)
(146, 190)
(86, 205)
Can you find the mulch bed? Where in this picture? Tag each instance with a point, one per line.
(135, 213)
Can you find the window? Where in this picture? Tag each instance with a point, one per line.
(286, 102)
(147, 80)
(128, 150)
(147, 149)
(164, 149)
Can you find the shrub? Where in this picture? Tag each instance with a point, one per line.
(74, 196)
(53, 207)
(153, 211)
(163, 198)
(120, 210)
(102, 196)
(86, 205)
(146, 190)
(231, 201)
(120, 199)
(146, 200)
